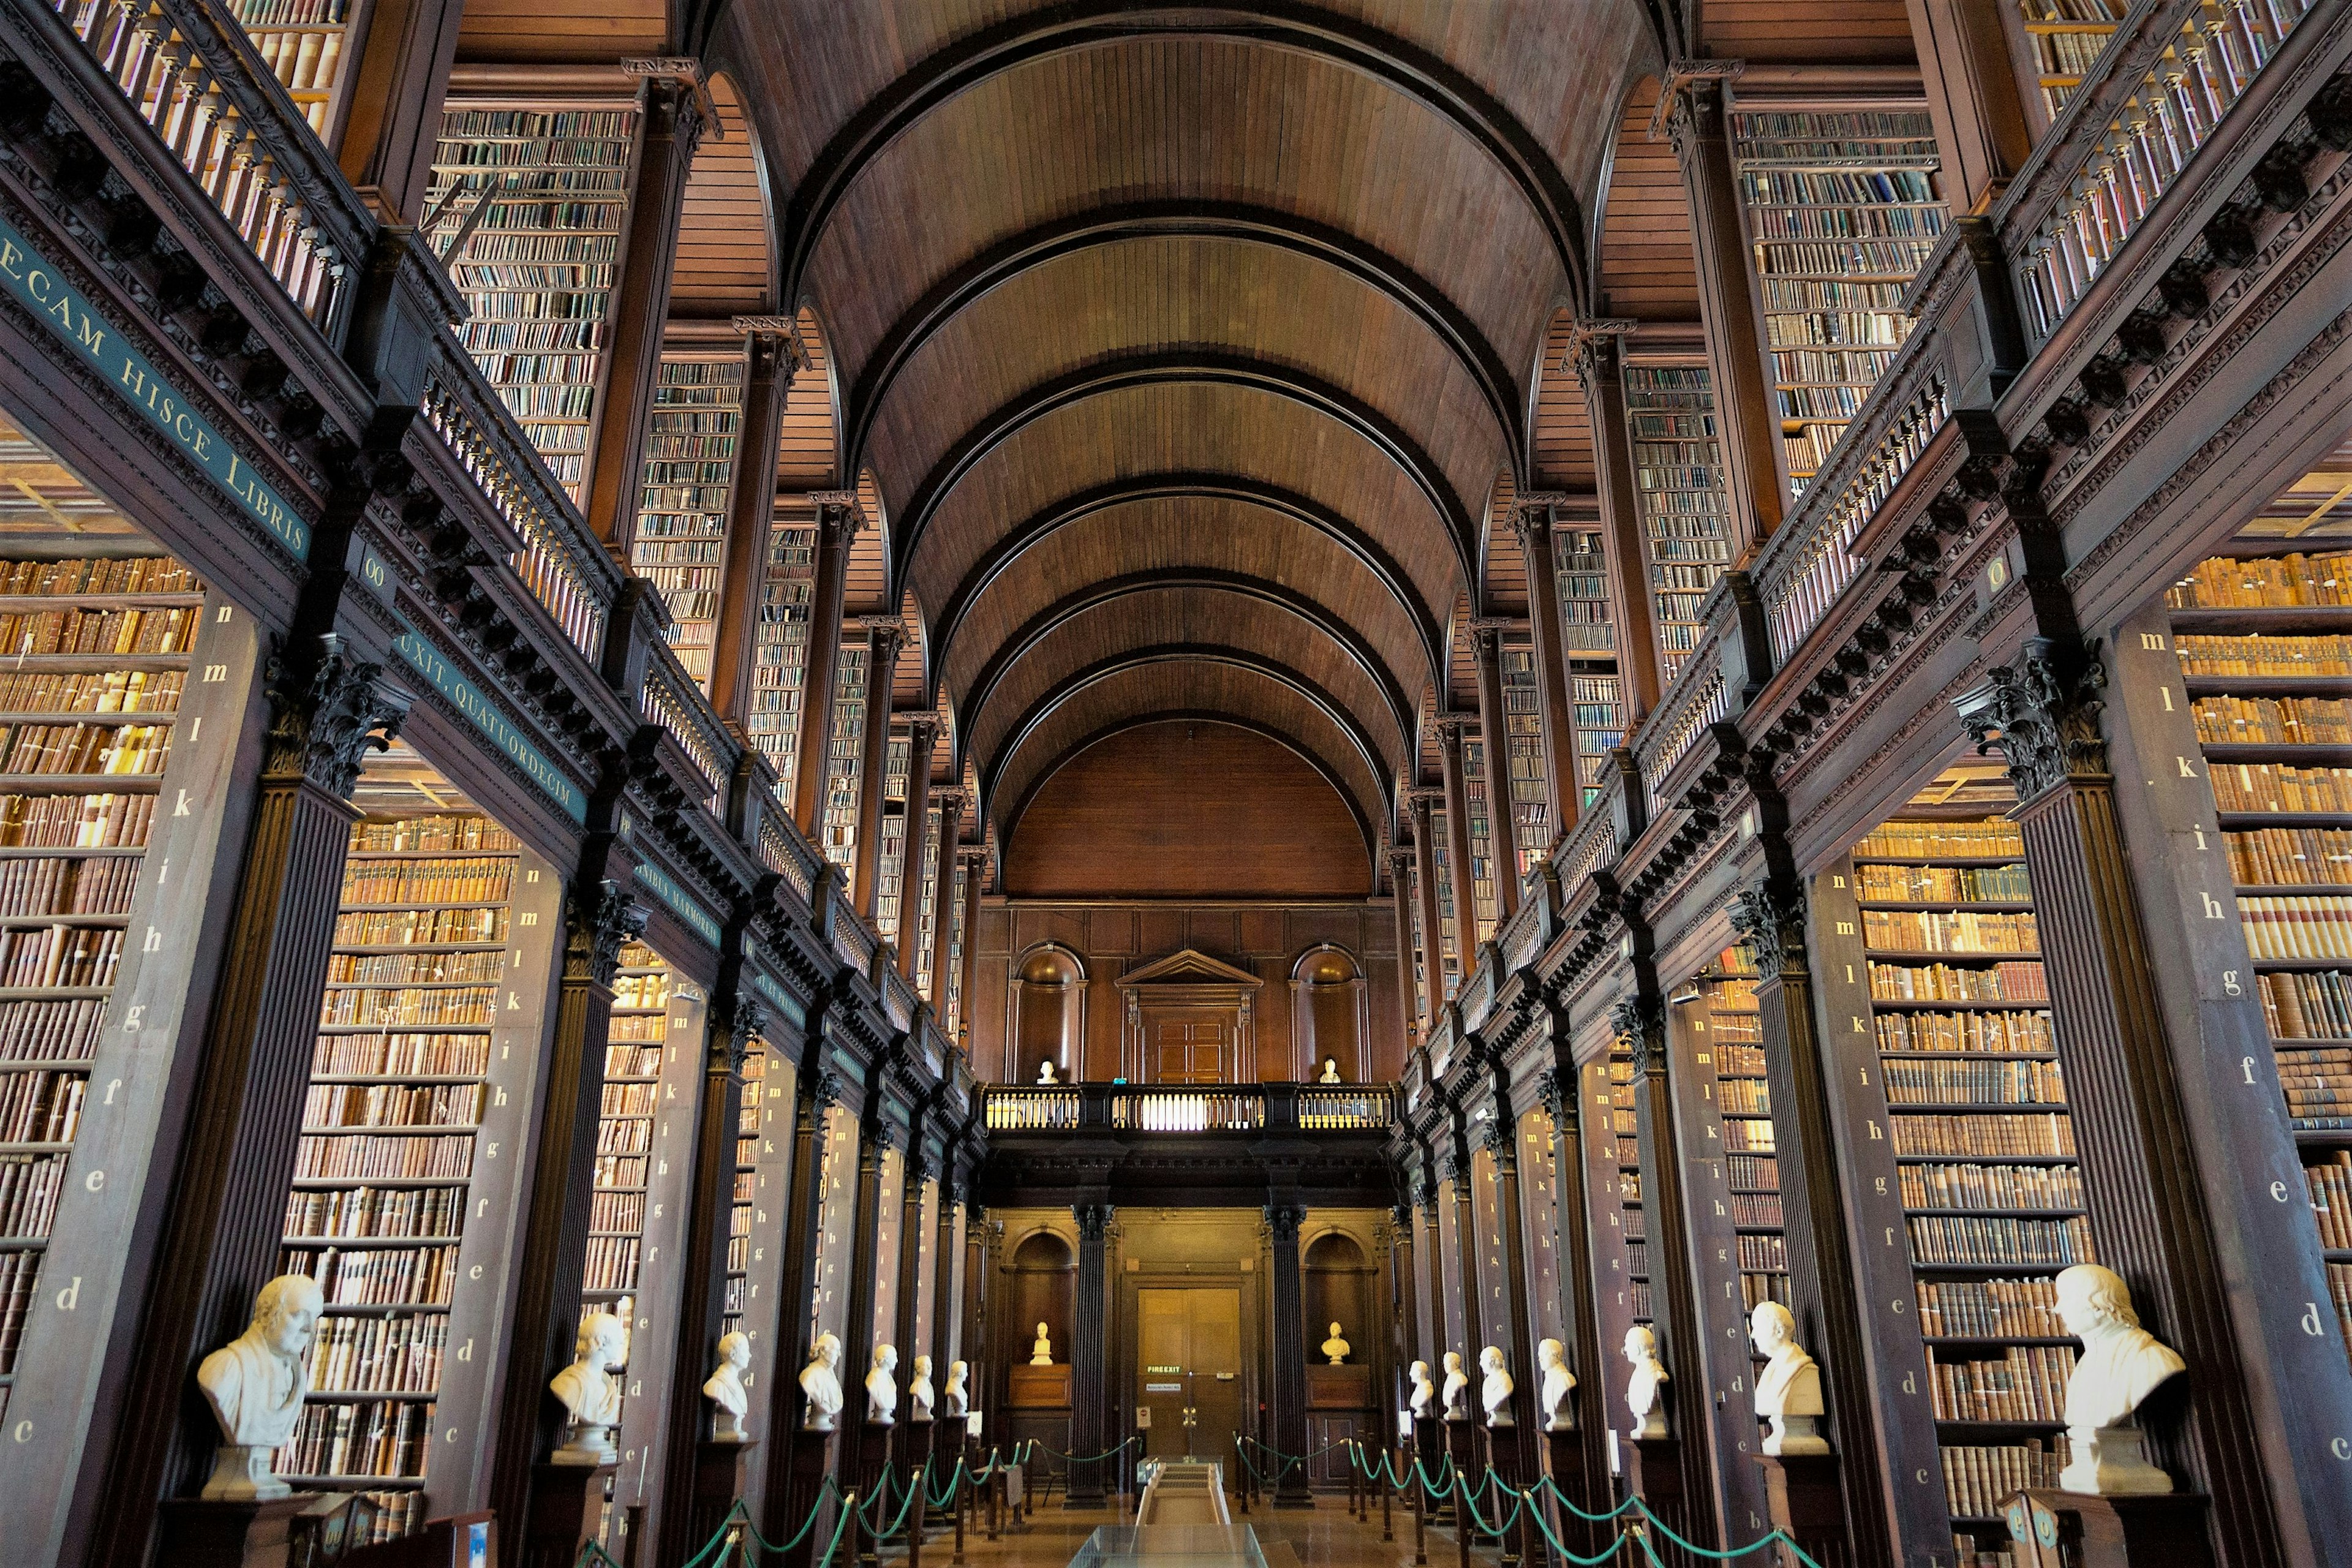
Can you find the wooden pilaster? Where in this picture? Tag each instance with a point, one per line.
(837, 522)
(1459, 872)
(1532, 520)
(884, 636)
(1289, 1330)
(1973, 96)
(1433, 931)
(922, 737)
(1586, 1352)
(1495, 742)
(773, 353)
(951, 804)
(1089, 1354)
(1600, 369)
(791, 1490)
(398, 86)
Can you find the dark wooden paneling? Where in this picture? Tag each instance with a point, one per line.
(1645, 272)
(562, 31)
(723, 260)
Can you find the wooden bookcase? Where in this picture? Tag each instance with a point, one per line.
(1482, 832)
(927, 911)
(1449, 925)
(526, 208)
(1598, 701)
(779, 655)
(844, 756)
(1523, 724)
(892, 860)
(692, 434)
(1679, 494)
(1841, 213)
(1966, 1194)
(754, 1305)
(1579, 570)
(2264, 640)
(2058, 41)
(308, 45)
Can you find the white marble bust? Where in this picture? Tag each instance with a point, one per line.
(822, 1383)
(590, 1394)
(1045, 1072)
(1336, 1347)
(255, 1385)
(1457, 1384)
(1495, 1392)
(1558, 1384)
(919, 1391)
(955, 1399)
(1330, 1071)
(1789, 1389)
(2121, 1365)
(1041, 1354)
(1423, 1390)
(882, 1387)
(728, 1399)
(1645, 1390)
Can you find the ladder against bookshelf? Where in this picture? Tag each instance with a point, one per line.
(2264, 640)
(691, 437)
(425, 1063)
(780, 649)
(1678, 493)
(526, 208)
(1841, 214)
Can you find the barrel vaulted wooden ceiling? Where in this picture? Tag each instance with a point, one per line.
(1189, 357)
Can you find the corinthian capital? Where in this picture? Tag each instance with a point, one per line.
(2042, 714)
(324, 725)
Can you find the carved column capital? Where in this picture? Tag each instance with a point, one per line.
(745, 1021)
(1771, 917)
(839, 515)
(1691, 102)
(603, 918)
(1556, 1092)
(1094, 1221)
(326, 722)
(676, 103)
(1595, 351)
(2043, 713)
(1531, 517)
(1283, 1220)
(1499, 1138)
(886, 638)
(825, 1089)
(1638, 1024)
(1418, 801)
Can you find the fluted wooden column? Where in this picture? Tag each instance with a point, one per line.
(1459, 870)
(1433, 933)
(1494, 740)
(950, 803)
(922, 736)
(220, 1244)
(1458, 1175)
(772, 354)
(1582, 1346)
(1089, 1353)
(1746, 411)
(1289, 1329)
(838, 519)
(1600, 368)
(976, 872)
(398, 85)
(2147, 1208)
(1505, 1273)
(1404, 1305)
(792, 1488)
(1532, 520)
(863, 1444)
(884, 636)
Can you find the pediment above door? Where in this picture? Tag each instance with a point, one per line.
(1189, 966)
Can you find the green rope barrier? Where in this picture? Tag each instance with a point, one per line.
(1095, 1459)
(954, 1482)
(592, 1555)
(825, 1489)
(839, 1525)
(1560, 1498)
(1776, 1538)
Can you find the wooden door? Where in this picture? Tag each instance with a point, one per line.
(1191, 1046)
(1189, 1372)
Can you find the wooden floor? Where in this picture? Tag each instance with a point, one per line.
(1320, 1537)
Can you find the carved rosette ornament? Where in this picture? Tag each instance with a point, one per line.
(2043, 713)
(1772, 921)
(324, 728)
(603, 918)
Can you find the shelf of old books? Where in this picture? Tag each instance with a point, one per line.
(1598, 702)
(743, 1211)
(1625, 1126)
(1752, 1168)
(780, 649)
(1978, 1141)
(526, 209)
(89, 708)
(396, 1195)
(844, 756)
(1841, 214)
(691, 434)
(308, 46)
(1678, 493)
(1523, 724)
(1449, 928)
(2265, 638)
(1579, 570)
(892, 858)
(2064, 39)
(1482, 832)
(927, 908)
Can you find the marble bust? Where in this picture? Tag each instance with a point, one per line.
(919, 1391)
(1330, 1071)
(2121, 1365)
(1045, 1072)
(1789, 1389)
(1041, 1354)
(1336, 1347)
(1423, 1390)
(955, 1399)
(590, 1394)
(1495, 1392)
(1457, 1383)
(822, 1385)
(1645, 1390)
(255, 1385)
(728, 1397)
(1559, 1382)
(882, 1387)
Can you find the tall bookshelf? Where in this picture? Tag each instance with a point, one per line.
(526, 208)
(951, 1012)
(1841, 214)
(927, 910)
(1678, 493)
(741, 1214)
(97, 656)
(1932, 938)
(2265, 648)
(446, 927)
(1410, 890)
(1752, 1166)
(1523, 726)
(635, 1050)
(2064, 39)
(892, 860)
(780, 652)
(308, 46)
(691, 437)
(1598, 703)
(1581, 572)
(1624, 1129)
(843, 757)
(1482, 832)
(1449, 925)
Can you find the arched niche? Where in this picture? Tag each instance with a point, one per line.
(1335, 1286)
(1329, 1014)
(1044, 1290)
(1049, 1014)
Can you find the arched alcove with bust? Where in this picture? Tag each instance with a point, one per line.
(1049, 1017)
(1330, 1018)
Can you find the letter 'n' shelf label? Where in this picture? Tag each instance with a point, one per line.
(34, 280)
(680, 903)
(435, 667)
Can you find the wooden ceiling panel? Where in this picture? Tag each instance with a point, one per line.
(1184, 618)
(867, 591)
(1184, 297)
(1809, 32)
(1234, 437)
(723, 262)
(807, 446)
(572, 32)
(1166, 537)
(1502, 572)
(1178, 689)
(1646, 266)
(1563, 436)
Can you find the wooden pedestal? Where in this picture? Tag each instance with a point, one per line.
(717, 1482)
(1801, 1493)
(305, 1527)
(1503, 1459)
(564, 1502)
(1564, 1460)
(1429, 1447)
(812, 1454)
(1038, 1388)
(2071, 1529)
(1654, 1471)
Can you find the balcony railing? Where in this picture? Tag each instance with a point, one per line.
(668, 699)
(1190, 1107)
(238, 138)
